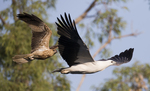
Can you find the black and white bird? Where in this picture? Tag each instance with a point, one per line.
(74, 51)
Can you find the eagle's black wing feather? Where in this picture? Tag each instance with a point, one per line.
(71, 47)
(123, 57)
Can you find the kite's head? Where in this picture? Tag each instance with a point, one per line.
(53, 48)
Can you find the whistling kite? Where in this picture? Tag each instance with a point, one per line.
(41, 34)
(74, 51)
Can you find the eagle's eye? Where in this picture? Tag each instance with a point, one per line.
(111, 61)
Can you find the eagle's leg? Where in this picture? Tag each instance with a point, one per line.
(62, 70)
(30, 57)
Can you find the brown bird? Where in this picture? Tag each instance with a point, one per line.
(41, 34)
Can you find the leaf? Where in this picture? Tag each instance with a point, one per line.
(126, 8)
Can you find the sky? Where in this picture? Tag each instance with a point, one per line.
(137, 18)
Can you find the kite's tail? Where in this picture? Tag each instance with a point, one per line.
(21, 58)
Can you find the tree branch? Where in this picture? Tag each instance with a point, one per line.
(86, 11)
(3, 21)
(81, 82)
(14, 9)
(108, 41)
(132, 34)
(102, 47)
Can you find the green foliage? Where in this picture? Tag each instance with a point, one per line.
(134, 78)
(109, 21)
(105, 24)
(89, 33)
(15, 38)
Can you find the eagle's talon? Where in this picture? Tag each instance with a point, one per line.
(64, 71)
(31, 58)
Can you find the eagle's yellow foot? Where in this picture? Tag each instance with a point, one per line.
(64, 71)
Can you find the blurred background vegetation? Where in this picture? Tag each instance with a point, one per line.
(15, 38)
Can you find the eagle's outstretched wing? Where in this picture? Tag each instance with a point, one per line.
(123, 57)
(41, 33)
(71, 47)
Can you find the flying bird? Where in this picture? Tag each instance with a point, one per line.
(41, 34)
(74, 51)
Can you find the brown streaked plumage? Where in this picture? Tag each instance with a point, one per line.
(41, 34)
